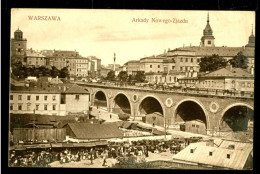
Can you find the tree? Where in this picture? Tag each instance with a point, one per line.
(130, 78)
(122, 76)
(64, 73)
(111, 75)
(212, 63)
(54, 72)
(140, 77)
(239, 61)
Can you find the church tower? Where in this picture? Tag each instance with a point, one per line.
(18, 44)
(207, 40)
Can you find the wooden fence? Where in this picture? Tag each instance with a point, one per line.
(25, 134)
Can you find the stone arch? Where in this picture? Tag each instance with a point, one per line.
(128, 98)
(151, 96)
(230, 107)
(198, 103)
(105, 94)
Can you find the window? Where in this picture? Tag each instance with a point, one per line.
(45, 97)
(20, 107)
(186, 59)
(19, 97)
(158, 66)
(37, 107)
(181, 68)
(54, 107)
(181, 59)
(210, 153)
(77, 97)
(36, 62)
(151, 66)
(191, 150)
(11, 107)
(30, 62)
(193, 125)
(28, 107)
(11, 97)
(28, 97)
(45, 107)
(172, 67)
(198, 60)
(228, 156)
(248, 85)
(54, 98)
(197, 126)
(191, 60)
(37, 97)
(209, 42)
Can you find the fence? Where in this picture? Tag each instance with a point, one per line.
(26, 134)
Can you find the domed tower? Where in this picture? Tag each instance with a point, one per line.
(18, 44)
(207, 40)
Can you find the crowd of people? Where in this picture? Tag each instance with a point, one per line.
(116, 150)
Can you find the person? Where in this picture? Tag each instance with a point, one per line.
(104, 158)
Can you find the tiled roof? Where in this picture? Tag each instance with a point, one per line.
(34, 54)
(237, 160)
(75, 89)
(208, 51)
(224, 72)
(95, 131)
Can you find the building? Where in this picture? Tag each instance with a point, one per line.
(94, 66)
(104, 71)
(236, 156)
(81, 67)
(58, 100)
(34, 58)
(195, 126)
(132, 66)
(18, 44)
(228, 79)
(249, 52)
(152, 64)
(87, 131)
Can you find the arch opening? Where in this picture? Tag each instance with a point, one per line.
(150, 105)
(237, 118)
(122, 104)
(190, 117)
(100, 100)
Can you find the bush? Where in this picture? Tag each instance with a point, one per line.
(123, 117)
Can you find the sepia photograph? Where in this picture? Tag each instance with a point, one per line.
(131, 89)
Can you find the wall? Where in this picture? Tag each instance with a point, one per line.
(28, 106)
(25, 134)
(77, 105)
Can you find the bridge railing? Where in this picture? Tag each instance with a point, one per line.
(179, 89)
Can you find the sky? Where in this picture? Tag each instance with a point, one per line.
(102, 33)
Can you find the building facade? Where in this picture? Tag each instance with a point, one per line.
(60, 100)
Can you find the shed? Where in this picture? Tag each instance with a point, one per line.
(155, 118)
(93, 131)
(196, 126)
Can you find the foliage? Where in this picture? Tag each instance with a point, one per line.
(140, 77)
(212, 63)
(111, 76)
(130, 78)
(123, 116)
(122, 76)
(239, 61)
(21, 71)
(64, 73)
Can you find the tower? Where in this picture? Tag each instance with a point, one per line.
(207, 40)
(114, 61)
(18, 44)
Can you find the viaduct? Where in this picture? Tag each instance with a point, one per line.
(172, 105)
